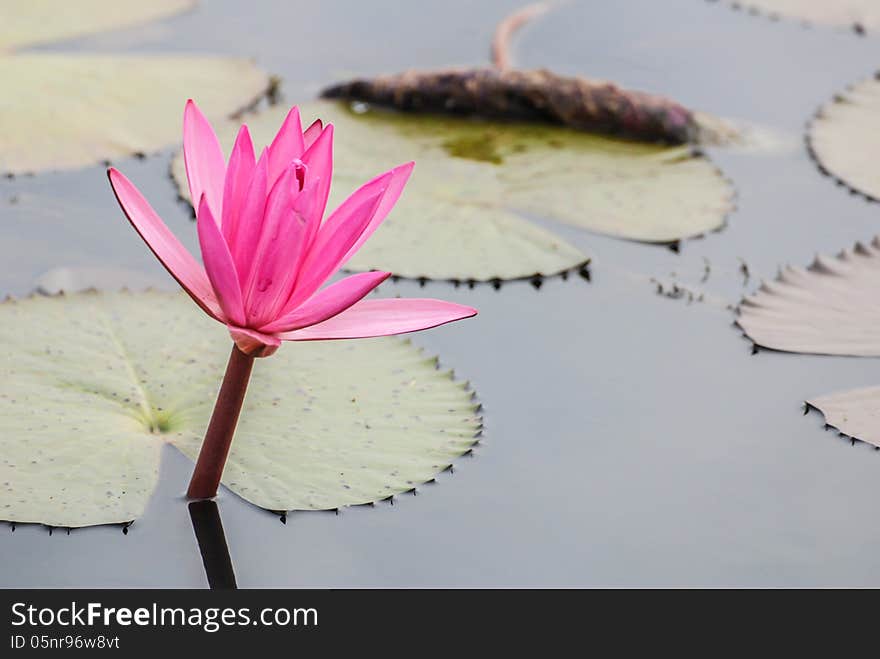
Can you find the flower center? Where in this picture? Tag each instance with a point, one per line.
(300, 172)
(158, 421)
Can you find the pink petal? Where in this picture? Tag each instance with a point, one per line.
(239, 174)
(308, 206)
(171, 253)
(203, 157)
(252, 342)
(329, 302)
(219, 265)
(399, 177)
(305, 209)
(319, 159)
(335, 238)
(287, 145)
(324, 256)
(279, 252)
(370, 318)
(311, 133)
(250, 220)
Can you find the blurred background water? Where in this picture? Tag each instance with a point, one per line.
(630, 439)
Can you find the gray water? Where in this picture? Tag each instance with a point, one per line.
(630, 439)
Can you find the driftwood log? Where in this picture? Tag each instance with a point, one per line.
(536, 95)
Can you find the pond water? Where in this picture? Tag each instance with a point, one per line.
(630, 439)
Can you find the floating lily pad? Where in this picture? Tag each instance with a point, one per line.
(83, 278)
(829, 308)
(30, 22)
(860, 15)
(844, 137)
(462, 214)
(67, 111)
(92, 384)
(70, 111)
(855, 413)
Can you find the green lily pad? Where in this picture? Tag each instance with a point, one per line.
(92, 384)
(30, 22)
(462, 214)
(860, 15)
(844, 137)
(71, 111)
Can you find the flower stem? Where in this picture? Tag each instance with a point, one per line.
(208, 527)
(218, 438)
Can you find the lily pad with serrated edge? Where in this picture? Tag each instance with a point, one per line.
(844, 138)
(462, 214)
(32, 22)
(855, 413)
(829, 308)
(71, 111)
(92, 384)
(860, 15)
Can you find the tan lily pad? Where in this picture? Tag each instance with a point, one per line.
(92, 385)
(828, 308)
(70, 111)
(844, 138)
(855, 413)
(31, 22)
(860, 15)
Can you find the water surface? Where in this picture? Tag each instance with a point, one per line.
(630, 439)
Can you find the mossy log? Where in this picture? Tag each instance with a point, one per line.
(537, 95)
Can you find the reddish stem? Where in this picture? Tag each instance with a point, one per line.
(503, 33)
(218, 438)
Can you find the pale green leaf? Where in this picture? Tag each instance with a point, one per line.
(92, 384)
(462, 214)
(30, 22)
(70, 111)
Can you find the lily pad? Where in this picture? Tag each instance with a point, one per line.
(70, 111)
(31, 22)
(855, 413)
(83, 278)
(828, 308)
(92, 384)
(860, 15)
(844, 137)
(462, 214)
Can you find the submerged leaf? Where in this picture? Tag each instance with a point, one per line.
(75, 110)
(30, 22)
(92, 384)
(83, 278)
(844, 137)
(461, 214)
(829, 308)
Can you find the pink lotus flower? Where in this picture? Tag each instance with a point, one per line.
(267, 252)
(265, 249)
